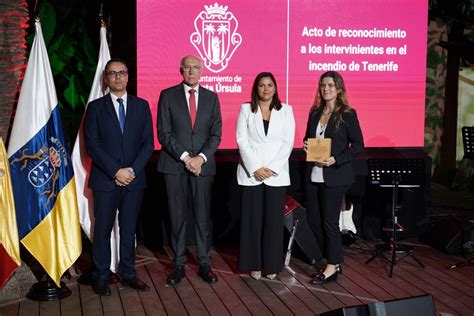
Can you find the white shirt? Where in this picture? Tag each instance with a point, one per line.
(116, 104)
(317, 172)
(196, 94)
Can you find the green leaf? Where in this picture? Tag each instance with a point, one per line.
(70, 94)
(47, 16)
(90, 51)
(57, 64)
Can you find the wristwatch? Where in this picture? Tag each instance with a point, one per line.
(132, 172)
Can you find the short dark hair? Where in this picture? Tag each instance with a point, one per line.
(115, 60)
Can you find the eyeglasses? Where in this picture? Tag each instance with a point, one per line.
(113, 73)
(191, 68)
(329, 85)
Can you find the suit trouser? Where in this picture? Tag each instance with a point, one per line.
(106, 204)
(186, 190)
(323, 205)
(261, 228)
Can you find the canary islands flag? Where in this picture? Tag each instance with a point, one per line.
(41, 170)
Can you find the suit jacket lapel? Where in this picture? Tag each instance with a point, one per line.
(183, 104)
(331, 128)
(110, 108)
(201, 103)
(275, 122)
(130, 112)
(258, 121)
(314, 124)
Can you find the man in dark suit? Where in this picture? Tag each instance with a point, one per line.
(118, 133)
(189, 130)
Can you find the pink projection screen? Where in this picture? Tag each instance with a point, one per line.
(378, 46)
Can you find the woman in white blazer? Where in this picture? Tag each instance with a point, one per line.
(265, 135)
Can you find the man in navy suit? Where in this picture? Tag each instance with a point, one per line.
(189, 129)
(118, 133)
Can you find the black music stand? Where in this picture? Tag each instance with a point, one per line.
(395, 173)
(466, 259)
(468, 142)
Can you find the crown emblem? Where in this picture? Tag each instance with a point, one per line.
(216, 37)
(216, 9)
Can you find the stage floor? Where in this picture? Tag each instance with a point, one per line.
(238, 294)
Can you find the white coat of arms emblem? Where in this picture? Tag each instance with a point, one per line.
(216, 37)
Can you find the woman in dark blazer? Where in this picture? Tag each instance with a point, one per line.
(328, 180)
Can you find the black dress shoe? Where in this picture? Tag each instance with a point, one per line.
(312, 275)
(101, 288)
(176, 276)
(322, 279)
(338, 270)
(207, 275)
(136, 284)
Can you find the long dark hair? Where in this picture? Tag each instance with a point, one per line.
(276, 103)
(341, 102)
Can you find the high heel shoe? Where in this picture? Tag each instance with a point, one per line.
(271, 276)
(256, 275)
(338, 270)
(322, 279)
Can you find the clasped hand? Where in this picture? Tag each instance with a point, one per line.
(263, 173)
(326, 163)
(194, 164)
(123, 177)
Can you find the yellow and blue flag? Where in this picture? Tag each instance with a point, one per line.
(41, 170)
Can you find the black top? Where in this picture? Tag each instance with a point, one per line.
(265, 126)
(346, 142)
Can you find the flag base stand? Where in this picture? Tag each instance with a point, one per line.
(48, 291)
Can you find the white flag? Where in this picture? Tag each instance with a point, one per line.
(81, 161)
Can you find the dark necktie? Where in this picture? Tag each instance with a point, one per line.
(192, 106)
(121, 114)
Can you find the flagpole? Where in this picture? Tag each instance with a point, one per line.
(35, 10)
(101, 14)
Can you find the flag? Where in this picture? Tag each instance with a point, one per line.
(81, 161)
(9, 243)
(41, 170)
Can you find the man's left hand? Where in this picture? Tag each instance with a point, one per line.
(194, 164)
